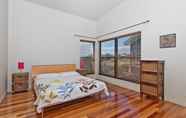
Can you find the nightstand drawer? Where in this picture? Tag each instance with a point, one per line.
(21, 81)
(20, 77)
(20, 87)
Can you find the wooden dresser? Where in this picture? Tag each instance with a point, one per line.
(20, 82)
(152, 78)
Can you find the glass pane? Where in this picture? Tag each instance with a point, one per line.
(124, 47)
(107, 66)
(129, 52)
(107, 57)
(107, 48)
(87, 56)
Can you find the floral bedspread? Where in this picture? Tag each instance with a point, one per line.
(58, 90)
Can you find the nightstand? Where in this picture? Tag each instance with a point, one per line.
(82, 71)
(20, 82)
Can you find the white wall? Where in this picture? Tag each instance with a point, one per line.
(166, 17)
(39, 35)
(3, 46)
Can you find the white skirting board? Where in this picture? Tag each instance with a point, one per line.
(2, 97)
(121, 83)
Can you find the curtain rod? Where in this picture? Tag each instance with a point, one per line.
(125, 28)
(83, 36)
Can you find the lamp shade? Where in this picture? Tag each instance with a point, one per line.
(20, 65)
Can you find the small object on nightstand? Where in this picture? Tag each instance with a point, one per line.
(82, 71)
(20, 82)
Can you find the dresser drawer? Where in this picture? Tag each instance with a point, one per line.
(150, 90)
(149, 78)
(146, 66)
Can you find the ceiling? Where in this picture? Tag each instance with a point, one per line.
(91, 9)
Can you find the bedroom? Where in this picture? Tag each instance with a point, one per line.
(48, 32)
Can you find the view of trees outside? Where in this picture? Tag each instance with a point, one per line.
(87, 56)
(107, 57)
(129, 49)
(129, 54)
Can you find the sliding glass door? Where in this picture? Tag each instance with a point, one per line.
(120, 57)
(129, 53)
(107, 58)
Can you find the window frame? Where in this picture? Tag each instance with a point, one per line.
(116, 56)
(93, 43)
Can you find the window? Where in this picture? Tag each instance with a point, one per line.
(87, 49)
(129, 48)
(120, 57)
(107, 58)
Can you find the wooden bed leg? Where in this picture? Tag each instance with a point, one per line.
(42, 114)
(99, 95)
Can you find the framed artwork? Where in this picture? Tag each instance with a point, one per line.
(168, 41)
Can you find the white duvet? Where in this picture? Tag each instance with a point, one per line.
(52, 89)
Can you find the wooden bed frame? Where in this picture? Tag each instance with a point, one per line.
(42, 69)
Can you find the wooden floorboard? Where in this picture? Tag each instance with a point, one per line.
(122, 103)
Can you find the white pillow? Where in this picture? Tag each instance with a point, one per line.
(69, 74)
(48, 75)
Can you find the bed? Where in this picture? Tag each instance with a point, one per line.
(57, 84)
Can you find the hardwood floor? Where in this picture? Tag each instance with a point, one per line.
(122, 103)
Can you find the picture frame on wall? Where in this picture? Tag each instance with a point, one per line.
(168, 41)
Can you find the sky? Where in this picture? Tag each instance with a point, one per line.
(86, 49)
(123, 46)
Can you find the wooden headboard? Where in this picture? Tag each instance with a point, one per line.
(41, 69)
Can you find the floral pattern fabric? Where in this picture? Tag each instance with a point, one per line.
(59, 90)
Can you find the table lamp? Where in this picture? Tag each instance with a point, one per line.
(21, 66)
